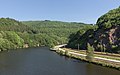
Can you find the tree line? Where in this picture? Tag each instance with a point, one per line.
(15, 34)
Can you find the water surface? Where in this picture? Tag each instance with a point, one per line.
(41, 61)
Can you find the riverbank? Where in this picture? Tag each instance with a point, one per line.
(111, 63)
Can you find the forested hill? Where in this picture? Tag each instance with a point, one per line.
(61, 29)
(8, 24)
(105, 38)
(15, 34)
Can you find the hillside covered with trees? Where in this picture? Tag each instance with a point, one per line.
(105, 38)
(15, 34)
(61, 29)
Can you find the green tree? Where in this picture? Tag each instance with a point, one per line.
(89, 52)
(14, 38)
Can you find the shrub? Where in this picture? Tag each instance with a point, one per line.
(89, 52)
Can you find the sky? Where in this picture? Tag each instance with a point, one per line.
(86, 11)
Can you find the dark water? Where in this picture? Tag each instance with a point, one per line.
(41, 61)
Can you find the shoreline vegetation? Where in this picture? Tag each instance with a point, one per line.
(102, 37)
(15, 34)
(80, 55)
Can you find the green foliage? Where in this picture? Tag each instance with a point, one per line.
(8, 24)
(81, 39)
(58, 28)
(14, 38)
(89, 52)
(5, 43)
(105, 38)
(112, 18)
(15, 34)
(57, 31)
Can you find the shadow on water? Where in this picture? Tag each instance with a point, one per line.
(42, 61)
(92, 69)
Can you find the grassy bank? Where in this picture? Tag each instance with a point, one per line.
(81, 55)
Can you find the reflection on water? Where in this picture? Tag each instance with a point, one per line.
(41, 61)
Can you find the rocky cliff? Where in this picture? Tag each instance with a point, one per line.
(104, 38)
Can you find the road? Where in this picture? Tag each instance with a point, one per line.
(72, 52)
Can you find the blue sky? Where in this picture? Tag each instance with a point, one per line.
(87, 11)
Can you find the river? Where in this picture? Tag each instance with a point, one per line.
(42, 61)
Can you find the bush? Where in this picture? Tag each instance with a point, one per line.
(89, 52)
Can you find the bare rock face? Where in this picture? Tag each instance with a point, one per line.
(104, 38)
(107, 40)
(107, 36)
(114, 35)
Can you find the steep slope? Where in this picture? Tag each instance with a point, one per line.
(108, 33)
(106, 37)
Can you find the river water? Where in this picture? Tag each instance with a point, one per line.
(42, 61)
